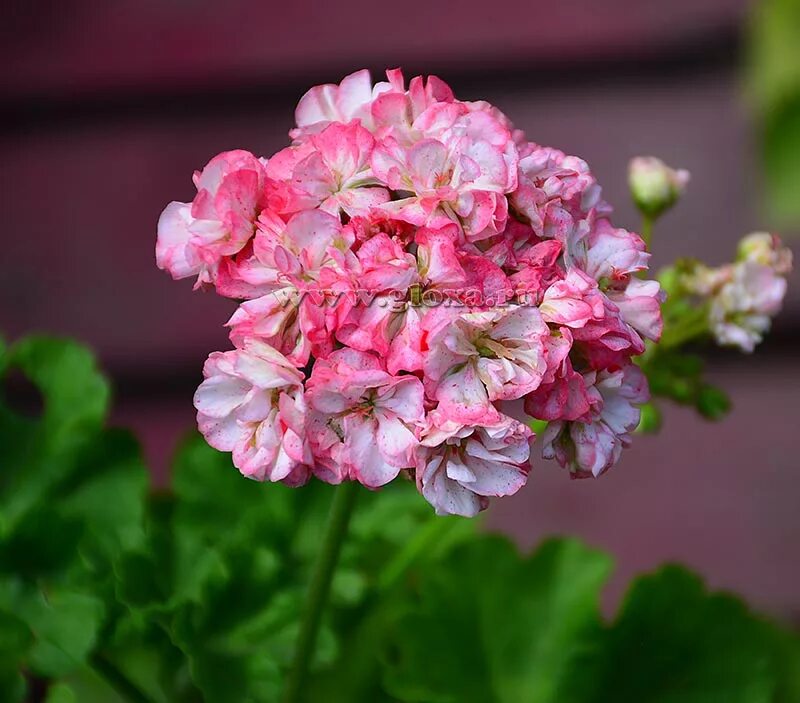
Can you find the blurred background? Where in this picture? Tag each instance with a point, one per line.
(110, 106)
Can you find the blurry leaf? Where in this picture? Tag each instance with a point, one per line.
(15, 636)
(172, 567)
(781, 157)
(37, 455)
(774, 86)
(650, 420)
(785, 648)
(61, 693)
(43, 544)
(675, 643)
(13, 688)
(492, 626)
(76, 394)
(713, 403)
(65, 627)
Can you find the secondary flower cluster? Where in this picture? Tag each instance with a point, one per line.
(743, 296)
(408, 265)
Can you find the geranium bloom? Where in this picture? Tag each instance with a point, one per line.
(479, 357)
(232, 190)
(460, 466)
(741, 311)
(462, 180)
(590, 446)
(251, 404)
(331, 171)
(745, 295)
(365, 421)
(292, 267)
(405, 266)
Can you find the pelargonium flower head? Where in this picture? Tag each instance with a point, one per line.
(251, 404)
(365, 422)
(459, 467)
(405, 266)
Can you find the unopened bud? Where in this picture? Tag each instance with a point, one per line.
(655, 187)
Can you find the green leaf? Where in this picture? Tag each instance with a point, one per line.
(712, 402)
(650, 421)
(76, 393)
(13, 687)
(675, 643)
(37, 455)
(15, 636)
(61, 693)
(492, 626)
(774, 86)
(65, 627)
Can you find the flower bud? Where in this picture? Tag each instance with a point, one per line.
(766, 249)
(655, 187)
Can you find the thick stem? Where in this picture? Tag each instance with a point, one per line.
(341, 509)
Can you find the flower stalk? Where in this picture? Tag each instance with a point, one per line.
(335, 532)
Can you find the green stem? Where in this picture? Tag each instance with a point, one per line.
(647, 230)
(685, 330)
(122, 685)
(341, 510)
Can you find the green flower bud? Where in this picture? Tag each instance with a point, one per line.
(655, 187)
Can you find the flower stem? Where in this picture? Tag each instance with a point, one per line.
(647, 230)
(688, 328)
(341, 510)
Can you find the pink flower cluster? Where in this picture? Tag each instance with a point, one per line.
(745, 295)
(407, 266)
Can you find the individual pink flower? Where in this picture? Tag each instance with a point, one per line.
(365, 422)
(608, 341)
(639, 303)
(553, 185)
(573, 301)
(385, 265)
(331, 171)
(590, 446)
(300, 272)
(476, 358)
(563, 394)
(460, 466)
(464, 180)
(398, 113)
(232, 191)
(324, 104)
(251, 404)
(610, 253)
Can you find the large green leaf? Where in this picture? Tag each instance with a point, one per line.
(675, 643)
(71, 502)
(491, 626)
